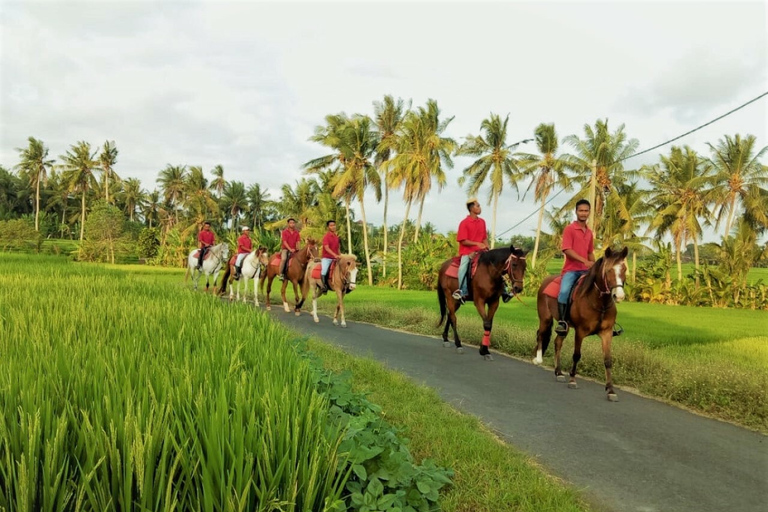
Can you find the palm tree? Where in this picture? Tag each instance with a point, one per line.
(546, 170)
(172, 180)
(133, 196)
(624, 219)
(297, 202)
(389, 116)
(150, 208)
(496, 162)
(79, 165)
(234, 201)
(600, 153)
(218, 182)
(739, 174)
(257, 203)
(107, 159)
(680, 199)
(35, 164)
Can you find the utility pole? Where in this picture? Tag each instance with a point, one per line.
(592, 184)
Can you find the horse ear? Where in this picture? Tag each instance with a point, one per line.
(624, 252)
(608, 253)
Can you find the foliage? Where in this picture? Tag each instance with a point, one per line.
(105, 236)
(148, 243)
(19, 234)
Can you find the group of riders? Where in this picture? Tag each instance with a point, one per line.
(289, 245)
(472, 236)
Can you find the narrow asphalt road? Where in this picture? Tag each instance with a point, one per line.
(636, 455)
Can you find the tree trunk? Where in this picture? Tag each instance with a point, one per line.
(538, 230)
(634, 266)
(365, 242)
(400, 247)
(386, 204)
(730, 217)
(679, 261)
(349, 227)
(696, 259)
(493, 220)
(592, 205)
(82, 218)
(63, 217)
(106, 184)
(418, 220)
(37, 205)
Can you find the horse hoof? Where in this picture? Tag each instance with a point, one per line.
(613, 397)
(317, 320)
(561, 378)
(344, 324)
(447, 344)
(269, 308)
(537, 361)
(573, 385)
(297, 313)
(460, 350)
(488, 357)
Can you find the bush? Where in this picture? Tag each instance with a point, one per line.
(19, 235)
(149, 242)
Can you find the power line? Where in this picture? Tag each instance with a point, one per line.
(642, 152)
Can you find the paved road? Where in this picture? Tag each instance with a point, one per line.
(636, 455)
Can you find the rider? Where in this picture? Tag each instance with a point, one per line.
(578, 248)
(244, 247)
(472, 237)
(330, 251)
(206, 238)
(291, 240)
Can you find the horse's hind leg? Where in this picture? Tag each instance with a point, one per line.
(607, 338)
(558, 350)
(452, 321)
(543, 335)
(282, 294)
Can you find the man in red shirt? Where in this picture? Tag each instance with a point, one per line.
(579, 250)
(330, 251)
(206, 238)
(290, 244)
(472, 237)
(244, 248)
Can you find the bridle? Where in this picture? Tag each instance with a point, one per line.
(608, 290)
(508, 267)
(343, 276)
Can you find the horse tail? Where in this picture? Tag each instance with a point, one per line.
(225, 279)
(441, 300)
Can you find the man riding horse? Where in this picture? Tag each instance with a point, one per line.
(290, 242)
(472, 237)
(205, 240)
(244, 248)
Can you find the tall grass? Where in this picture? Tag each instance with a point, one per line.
(119, 394)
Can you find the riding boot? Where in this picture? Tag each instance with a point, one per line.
(562, 326)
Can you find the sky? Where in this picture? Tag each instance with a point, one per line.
(244, 84)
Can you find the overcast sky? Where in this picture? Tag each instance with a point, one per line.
(243, 84)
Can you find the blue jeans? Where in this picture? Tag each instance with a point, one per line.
(463, 269)
(325, 264)
(567, 282)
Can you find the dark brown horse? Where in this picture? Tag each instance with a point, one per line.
(485, 290)
(295, 272)
(593, 312)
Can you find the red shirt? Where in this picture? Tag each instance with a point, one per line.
(206, 237)
(330, 240)
(473, 230)
(290, 239)
(244, 244)
(579, 239)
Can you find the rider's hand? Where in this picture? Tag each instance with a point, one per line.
(589, 263)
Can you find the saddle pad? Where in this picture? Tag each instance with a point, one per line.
(196, 254)
(553, 288)
(453, 269)
(317, 270)
(276, 260)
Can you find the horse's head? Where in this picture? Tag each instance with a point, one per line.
(348, 270)
(615, 272)
(262, 255)
(516, 268)
(221, 250)
(311, 248)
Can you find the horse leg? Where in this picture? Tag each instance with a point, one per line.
(607, 338)
(579, 335)
(480, 306)
(488, 327)
(314, 302)
(452, 320)
(297, 305)
(256, 277)
(543, 336)
(282, 294)
(558, 349)
(269, 291)
(336, 315)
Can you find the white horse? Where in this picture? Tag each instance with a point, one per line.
(250, 270)
(217, 258)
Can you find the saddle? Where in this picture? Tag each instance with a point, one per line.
(453, 269)
(318, 274)
(196, 254)
(276, 260)
(553, 290)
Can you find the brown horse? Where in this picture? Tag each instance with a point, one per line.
(342, 280)
(251, 268)
(485, 291)
(295, 272)
(593, 312)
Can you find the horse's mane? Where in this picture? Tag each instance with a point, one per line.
(496, 257)
(591, 276)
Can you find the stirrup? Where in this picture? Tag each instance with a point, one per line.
(618, 330)
(457, 295)
(559, 327)
(506, 297)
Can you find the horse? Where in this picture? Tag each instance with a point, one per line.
(593, 312)
(251, 268)
(485, 290)
(342, 279)
(216, 258)
(295, 271)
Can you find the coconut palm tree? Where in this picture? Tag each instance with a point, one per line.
(678, 184)
(107, 160)
(601, 153)
(172, 181)
(35, 165)
(133, 196)
(150, 208)
(218, 182)
(257, 204)
(389, 116)
(624, 219)
(495, 165)
(739, 174)
(234, 201)
(79, 166)
(547, 171)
